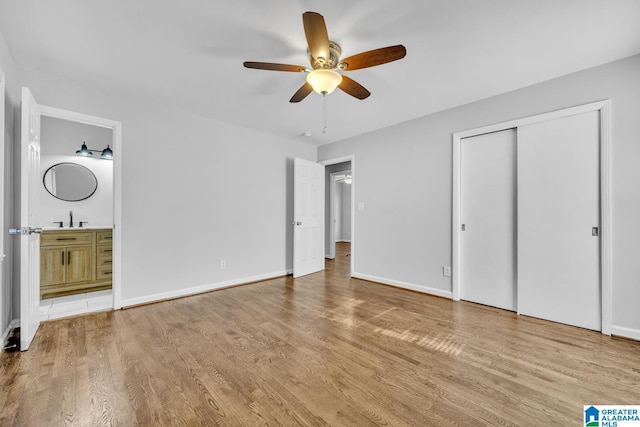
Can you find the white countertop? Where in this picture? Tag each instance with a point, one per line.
(84, 227)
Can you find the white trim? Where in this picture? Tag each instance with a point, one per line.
(604, 107)
(605, 218)
(404, 285)
(72, 116)
(3, 286)
(343, 241)
(622, 331)
(116, 143)
(201, 289)
(336, 160)
(349, 158)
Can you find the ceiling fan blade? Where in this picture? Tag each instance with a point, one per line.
(274, 67)
(353, 88)
(373, 57)
(302, 93)
(317, 37)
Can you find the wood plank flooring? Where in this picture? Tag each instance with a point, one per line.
(319, 350)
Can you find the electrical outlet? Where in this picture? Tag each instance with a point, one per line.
(446, 271)
(223, 264)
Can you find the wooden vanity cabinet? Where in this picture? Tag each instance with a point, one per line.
(74, 261)
(104, 257)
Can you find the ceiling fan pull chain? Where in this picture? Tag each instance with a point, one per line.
(324, 106)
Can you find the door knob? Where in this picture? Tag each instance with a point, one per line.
(23, 231)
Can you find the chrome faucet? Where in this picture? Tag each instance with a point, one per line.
(70, 218)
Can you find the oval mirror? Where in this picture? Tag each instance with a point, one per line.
(70, 182)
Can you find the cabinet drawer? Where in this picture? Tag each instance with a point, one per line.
(104, 273)
(103, 236)
(66, 238)
(104, 262)
(104, 251)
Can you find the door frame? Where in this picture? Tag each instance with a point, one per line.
(116, 143)
(331, 253)
(349, 158)
(3, 294)
(604, 108)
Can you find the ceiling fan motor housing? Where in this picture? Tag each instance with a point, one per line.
(330, 63)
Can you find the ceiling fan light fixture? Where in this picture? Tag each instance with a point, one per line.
(324, 81)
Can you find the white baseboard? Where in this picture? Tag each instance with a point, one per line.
(343, 241)
(405, 285)
(198, 289)
(621, 331)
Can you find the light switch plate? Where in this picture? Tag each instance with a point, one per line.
(446, 271)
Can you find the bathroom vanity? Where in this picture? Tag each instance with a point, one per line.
(74, 261)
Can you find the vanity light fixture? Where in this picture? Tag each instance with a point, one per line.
(107, 153)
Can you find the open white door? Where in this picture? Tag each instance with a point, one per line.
(29, 234)
(308, 217)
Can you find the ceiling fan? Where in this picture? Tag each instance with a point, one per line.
(324, 56)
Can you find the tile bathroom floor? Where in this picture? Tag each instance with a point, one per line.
(71, 305)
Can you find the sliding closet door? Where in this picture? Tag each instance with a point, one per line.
(488, 203)
(559, 220)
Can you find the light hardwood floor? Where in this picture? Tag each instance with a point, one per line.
(319, 350)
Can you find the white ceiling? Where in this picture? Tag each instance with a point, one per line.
(189, 53)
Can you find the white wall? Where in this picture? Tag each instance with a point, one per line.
(343, 212)
(195, 191)
(337, 210)
(404, 233)
(9, 69)
(59, 140)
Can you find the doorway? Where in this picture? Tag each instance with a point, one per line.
(339, 210)
(63, 133)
